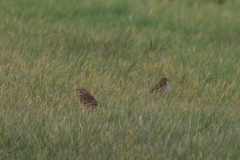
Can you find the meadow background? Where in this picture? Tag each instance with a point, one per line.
(118, 50)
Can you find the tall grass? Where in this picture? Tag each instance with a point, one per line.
(118, 50)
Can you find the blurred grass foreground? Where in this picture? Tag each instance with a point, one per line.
(118, 50)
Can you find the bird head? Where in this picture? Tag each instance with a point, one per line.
(164, 80)
(81, 91)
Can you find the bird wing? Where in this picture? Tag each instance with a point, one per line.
(93, 101)
(155, 88)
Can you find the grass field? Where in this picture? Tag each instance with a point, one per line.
(118, 50)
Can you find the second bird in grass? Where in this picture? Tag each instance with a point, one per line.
(86, 98)
(162, 86)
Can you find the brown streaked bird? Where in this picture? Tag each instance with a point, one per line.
(86, 98)
(162, 86)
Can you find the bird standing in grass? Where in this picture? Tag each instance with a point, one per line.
(162, 86)
(86, 98)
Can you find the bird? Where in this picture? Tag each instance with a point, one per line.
(162, 86)
(86, 98)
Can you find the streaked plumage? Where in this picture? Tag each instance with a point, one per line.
(162, 86)
(86, 98)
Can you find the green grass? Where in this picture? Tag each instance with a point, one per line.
(118, 50)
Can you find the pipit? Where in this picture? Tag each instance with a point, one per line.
(86, 98)
(162, 86)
